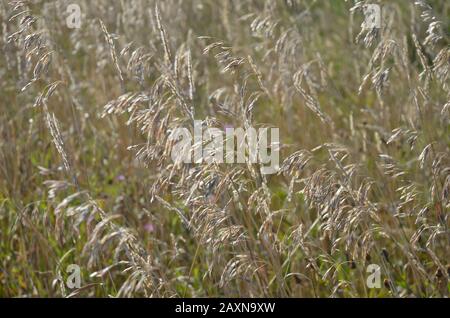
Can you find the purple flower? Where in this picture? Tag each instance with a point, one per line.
(149, 227)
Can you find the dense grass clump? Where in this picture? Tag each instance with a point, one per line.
(86, 175)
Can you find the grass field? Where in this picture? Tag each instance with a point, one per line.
(359, 206)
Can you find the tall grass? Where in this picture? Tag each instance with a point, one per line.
(86, 175)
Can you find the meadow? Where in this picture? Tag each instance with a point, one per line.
(90, 91)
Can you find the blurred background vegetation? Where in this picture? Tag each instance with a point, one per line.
(378, 142)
